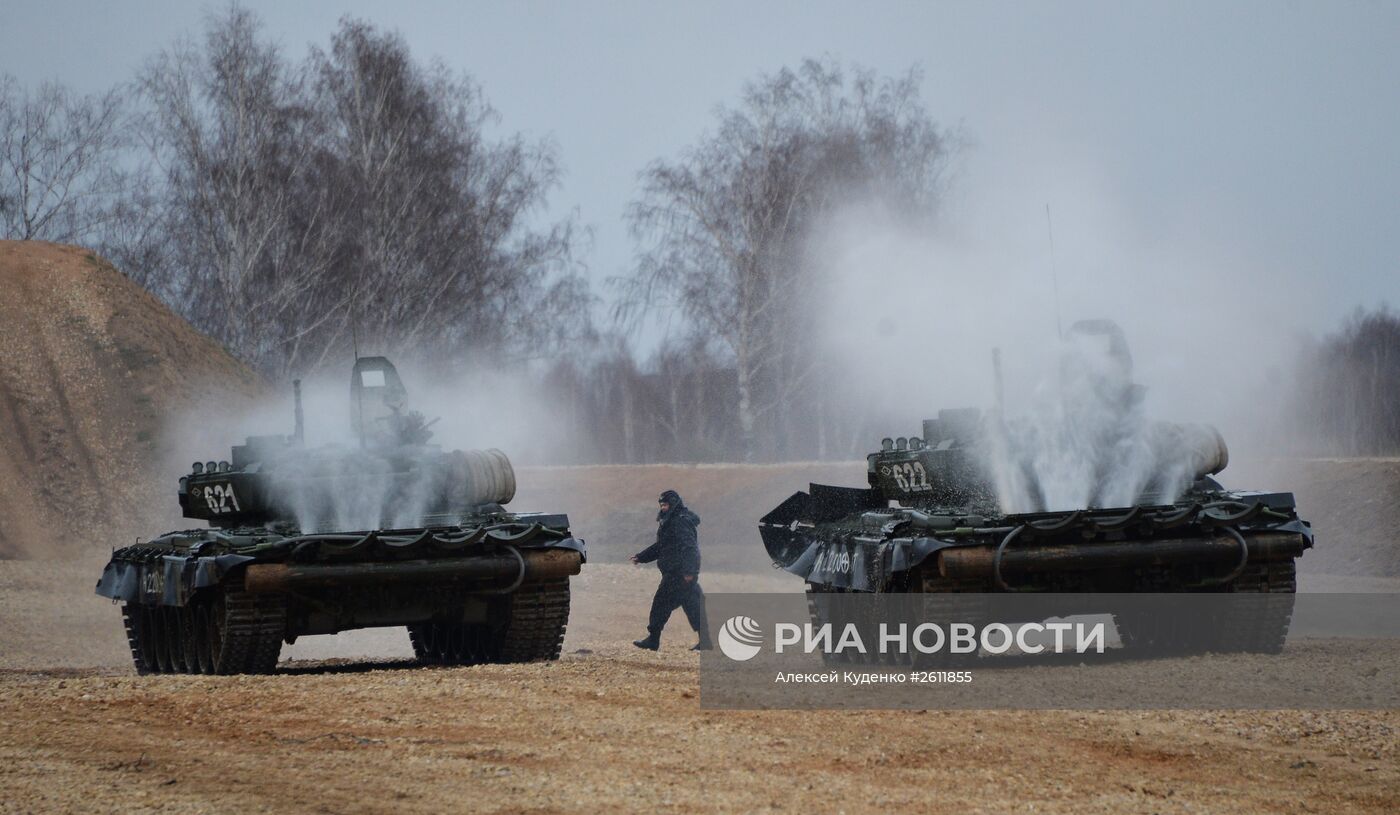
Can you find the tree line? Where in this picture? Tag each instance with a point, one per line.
(295, 208)
(1347, 400)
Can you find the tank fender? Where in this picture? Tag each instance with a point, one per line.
(914, 553)
(859, 564)
(783, 528)
(169, 580)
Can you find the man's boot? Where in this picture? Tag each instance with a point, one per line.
(704, 644)
(651, 643)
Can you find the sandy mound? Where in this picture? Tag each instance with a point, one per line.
(92, 367)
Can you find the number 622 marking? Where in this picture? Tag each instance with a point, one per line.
(911, 476)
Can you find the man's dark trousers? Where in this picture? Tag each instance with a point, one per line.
(675, 591)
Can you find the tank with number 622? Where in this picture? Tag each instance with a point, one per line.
(934, 520)
(391, 532)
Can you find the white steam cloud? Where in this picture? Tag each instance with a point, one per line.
(913, 318)
(473, 410)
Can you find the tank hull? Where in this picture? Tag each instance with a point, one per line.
(842, 541)
(219, 601)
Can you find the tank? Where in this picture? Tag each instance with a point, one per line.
(968, 508)
(392, 531)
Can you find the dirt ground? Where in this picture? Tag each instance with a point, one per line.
(348, 724)
(607, 728)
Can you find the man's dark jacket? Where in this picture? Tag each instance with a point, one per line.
(677, 547)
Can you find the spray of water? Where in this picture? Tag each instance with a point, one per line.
(335, 483)
(1087, 441)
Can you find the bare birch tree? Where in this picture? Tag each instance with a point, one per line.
(439, 248)
(237, 149)
(725, 227)
(355, 194)
(59, 178)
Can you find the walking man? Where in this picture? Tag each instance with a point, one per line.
(677, 554)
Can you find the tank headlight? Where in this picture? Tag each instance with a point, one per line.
(196, 468)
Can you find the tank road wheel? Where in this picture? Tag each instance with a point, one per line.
(174, 631)
(534, 632)
(160, 635)
(190, 635)
(214, 631)
(199, 625)
(226, 632)
(1263, 622)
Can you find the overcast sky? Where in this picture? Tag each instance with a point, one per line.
(1261, 135)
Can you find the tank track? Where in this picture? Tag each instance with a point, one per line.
(538, 616)
(133, 621)
(453, 643)
(1263, 624)
(1258, 625)
(253, 627)
(535, 617)
(226, 632)
(949, 599)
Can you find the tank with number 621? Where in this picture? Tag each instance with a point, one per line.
(391, 532)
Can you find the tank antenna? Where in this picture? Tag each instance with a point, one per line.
(998, 390)
(1054, 275)
(358, 385)
(300, 432)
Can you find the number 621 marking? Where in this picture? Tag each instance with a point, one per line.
(219, 497)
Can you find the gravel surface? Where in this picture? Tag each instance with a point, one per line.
(611, 728)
